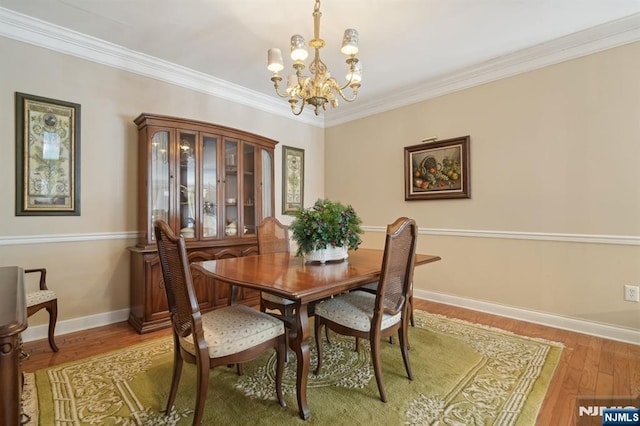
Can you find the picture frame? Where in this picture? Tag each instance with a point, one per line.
(437, 170)
(292, 179)
(47, 156)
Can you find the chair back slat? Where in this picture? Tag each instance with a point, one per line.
(273, 236)
(178, 284)
(397, 266)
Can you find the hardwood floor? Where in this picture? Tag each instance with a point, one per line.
(589, 366)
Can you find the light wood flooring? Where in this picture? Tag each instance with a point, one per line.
(589, 366)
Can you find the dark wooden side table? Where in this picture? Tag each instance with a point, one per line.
(13, 320)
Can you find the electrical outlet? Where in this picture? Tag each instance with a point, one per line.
(632, 293)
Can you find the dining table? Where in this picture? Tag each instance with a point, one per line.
(291, 277)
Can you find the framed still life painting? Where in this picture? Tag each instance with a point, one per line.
(47, 157)
(437, 170)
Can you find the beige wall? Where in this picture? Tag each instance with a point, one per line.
(553, 151)
(92, 276)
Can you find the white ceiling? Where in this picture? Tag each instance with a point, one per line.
(403, 43)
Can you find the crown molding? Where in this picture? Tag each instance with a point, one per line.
(40, 33)
(44, 34)
(592, 40)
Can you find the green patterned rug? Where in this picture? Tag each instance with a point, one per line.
(464, 374)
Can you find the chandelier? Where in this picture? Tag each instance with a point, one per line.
(319, 88)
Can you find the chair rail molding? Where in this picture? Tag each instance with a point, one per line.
(539, 236)
(65, 238)
(628, 240)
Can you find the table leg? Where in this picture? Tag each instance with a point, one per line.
(303, 358)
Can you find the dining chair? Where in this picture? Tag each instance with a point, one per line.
(228, 335)
(43, 298)
(234, 292)
(373, 316)
(273, 237)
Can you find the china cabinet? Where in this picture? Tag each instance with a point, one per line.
(212, 185)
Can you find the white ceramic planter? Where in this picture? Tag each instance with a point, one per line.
(328, 254)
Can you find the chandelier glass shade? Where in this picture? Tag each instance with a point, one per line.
(319, 88)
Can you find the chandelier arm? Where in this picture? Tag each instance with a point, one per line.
(343, 96)
(347, 84)
(276, 84)
(299, 67)
(293, 107)
(352, 61)
(335, 87)
(282, 95)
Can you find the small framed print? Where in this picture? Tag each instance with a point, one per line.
(47, 157)
(437, 170)
(292, 179)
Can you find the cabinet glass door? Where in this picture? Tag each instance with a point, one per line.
(209, 186)
(267, 184)
(159, 179)
(249, 185)
(187, 180)
(231, 188)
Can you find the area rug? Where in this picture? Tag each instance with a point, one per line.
(464, 374)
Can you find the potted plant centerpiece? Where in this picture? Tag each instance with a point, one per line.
(326, 231)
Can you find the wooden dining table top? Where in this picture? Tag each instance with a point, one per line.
(289, 276)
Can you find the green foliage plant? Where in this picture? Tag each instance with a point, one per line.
(326, 224)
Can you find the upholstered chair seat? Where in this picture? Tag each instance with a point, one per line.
(373, 288)
(354, 310)
(233, 329)
(37, 297)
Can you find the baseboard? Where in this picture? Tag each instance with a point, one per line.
(605, 331)
(41, 331)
